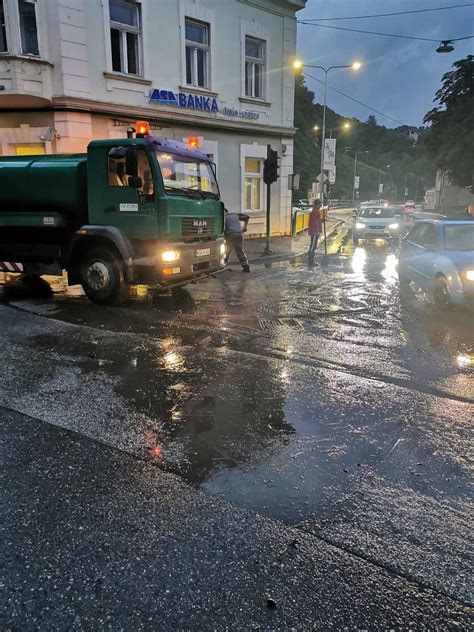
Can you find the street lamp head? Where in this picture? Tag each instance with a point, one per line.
(356, 65)
(446, 46)
(316, 128)
(297, 64)
(347, 126)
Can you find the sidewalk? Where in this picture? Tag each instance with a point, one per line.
(284, 248)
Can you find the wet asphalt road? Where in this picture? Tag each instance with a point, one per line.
(320, 399)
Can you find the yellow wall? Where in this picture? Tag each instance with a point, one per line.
(30, 150)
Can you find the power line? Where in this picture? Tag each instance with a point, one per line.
(355, 100)
(410, 37)
(383, 15)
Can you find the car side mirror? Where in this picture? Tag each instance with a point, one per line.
(135, 182)
(131, 162)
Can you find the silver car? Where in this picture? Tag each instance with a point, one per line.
(376, 222)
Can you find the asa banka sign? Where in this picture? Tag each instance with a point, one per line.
(182, 100)
(197, 102)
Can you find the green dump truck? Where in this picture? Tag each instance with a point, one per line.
(142, 210)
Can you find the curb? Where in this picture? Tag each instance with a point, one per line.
(287, 256)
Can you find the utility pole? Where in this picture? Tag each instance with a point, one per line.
(354, 180)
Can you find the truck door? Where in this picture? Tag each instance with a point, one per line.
(120, 199)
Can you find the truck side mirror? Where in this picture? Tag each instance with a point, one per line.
(131, 161)
(135, 182)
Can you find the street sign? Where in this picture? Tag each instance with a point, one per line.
(294, 181)
(329, 153)
(319, 178)
(381, 187)
(356, 182)
(332, 175)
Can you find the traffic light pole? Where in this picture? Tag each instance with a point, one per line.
(267, 250)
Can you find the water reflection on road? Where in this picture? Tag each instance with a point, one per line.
(277, 389)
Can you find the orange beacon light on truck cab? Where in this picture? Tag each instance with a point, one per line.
(193, 142)
(142, 128)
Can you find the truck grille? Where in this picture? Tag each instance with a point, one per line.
(194, 226)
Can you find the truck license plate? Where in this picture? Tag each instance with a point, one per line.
(203, 252)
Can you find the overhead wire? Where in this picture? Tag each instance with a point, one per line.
(355, 100)
(410, 37)
(383, 15)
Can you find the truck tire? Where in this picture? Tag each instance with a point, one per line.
(103, 278)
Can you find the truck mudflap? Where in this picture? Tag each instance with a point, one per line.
(180, 263)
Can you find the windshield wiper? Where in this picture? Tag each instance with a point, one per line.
(176, 190)
(198, 191)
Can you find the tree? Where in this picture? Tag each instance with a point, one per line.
(450, 141)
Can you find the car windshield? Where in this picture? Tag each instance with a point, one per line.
(181, 173)
(459, 237)
(376, 213)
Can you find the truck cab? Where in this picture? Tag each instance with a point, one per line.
(142, 210)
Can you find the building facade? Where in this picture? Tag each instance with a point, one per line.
(76, 70)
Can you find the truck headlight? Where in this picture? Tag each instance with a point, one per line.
(222, 249)
(469, 275)
(360, 225)
(393, 226)
(170, 255)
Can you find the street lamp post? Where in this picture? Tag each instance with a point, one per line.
(356, 154)
(298, 65)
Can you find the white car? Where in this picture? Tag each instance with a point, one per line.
(376, 222)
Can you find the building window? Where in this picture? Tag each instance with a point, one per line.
(253, 184)
(3, 30)
(125, 36)
(197, 53)
(28, 27)
(254, 67)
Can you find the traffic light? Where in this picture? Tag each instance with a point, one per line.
(270, 167)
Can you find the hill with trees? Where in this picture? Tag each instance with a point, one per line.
(392, 157)
(450, 140)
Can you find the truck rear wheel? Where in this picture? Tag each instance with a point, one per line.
(103, 278)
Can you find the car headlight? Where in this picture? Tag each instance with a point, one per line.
(170, 255)
(360, 225)
(469, 274)
(393, 226)
(222, 249)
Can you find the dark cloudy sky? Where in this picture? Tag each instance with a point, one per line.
(400, 76)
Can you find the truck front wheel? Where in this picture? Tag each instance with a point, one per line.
(102, 277)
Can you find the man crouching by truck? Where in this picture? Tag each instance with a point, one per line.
(233, 233)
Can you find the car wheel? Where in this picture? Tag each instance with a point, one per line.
(442, 296)
(103, 278)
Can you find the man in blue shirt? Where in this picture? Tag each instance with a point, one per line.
(233, 232)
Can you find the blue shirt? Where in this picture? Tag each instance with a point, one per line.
(232, 222)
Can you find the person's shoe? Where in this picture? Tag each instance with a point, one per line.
(245, 268)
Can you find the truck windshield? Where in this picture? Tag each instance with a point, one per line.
(181, 173)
